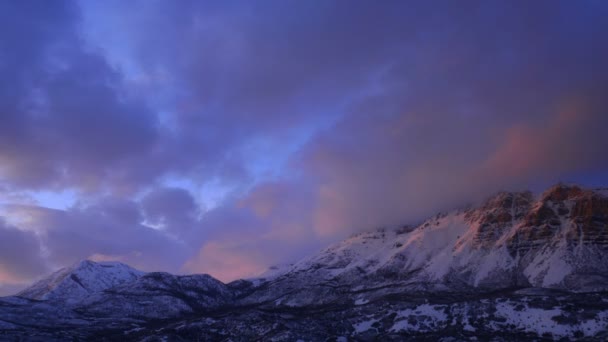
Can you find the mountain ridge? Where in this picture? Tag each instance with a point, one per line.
(505, 237)
(471, 272)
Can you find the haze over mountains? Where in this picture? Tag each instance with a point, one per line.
(516, 267)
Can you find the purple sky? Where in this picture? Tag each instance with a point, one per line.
(222, 137)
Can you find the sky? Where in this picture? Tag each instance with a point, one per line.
(223, 137)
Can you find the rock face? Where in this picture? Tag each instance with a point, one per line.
(517, 266)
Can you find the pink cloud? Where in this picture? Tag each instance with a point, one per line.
(226, 261)
(555, 145)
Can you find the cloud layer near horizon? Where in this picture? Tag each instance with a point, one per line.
(225, 137)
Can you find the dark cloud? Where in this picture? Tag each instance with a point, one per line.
(172, 208)
(64, 118)
(20, 255)
(109, 229)
(320, 118)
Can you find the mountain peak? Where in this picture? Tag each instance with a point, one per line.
(562, 192)
(81, 279)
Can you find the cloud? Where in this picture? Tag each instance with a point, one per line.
(20, 256)
(108, 228)
(226, 261)
(467, 112)
(316, 119)
(568, 141)
(270, 225)
(172, 208)
(65, 119)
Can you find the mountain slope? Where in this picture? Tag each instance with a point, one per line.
(517, 267)
(75, 283)
(559, 240)
(113, 289)
(158, 295)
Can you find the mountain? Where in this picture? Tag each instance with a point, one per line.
(557, 241)
(516, 267)
(159, 295)
(116, 289)
(75, 283)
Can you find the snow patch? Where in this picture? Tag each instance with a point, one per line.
(361, 301)
(541, 321)
(423, 318)
(364, 326)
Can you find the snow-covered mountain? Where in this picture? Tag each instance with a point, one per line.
(115, 289)
(77, 282)
(517, 267)
(513, 240)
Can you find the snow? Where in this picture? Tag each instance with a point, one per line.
(541, 321)
(434, 244)
(594, 326)
(364, 326)
(367, 251)
(77, 282)
(427, 318)
(497, 259)
(531, 319)
(431, 246)
(271, 273)
(454, 246)
(468, 327)
(361, 301)
(549, 267)
(130, 331)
